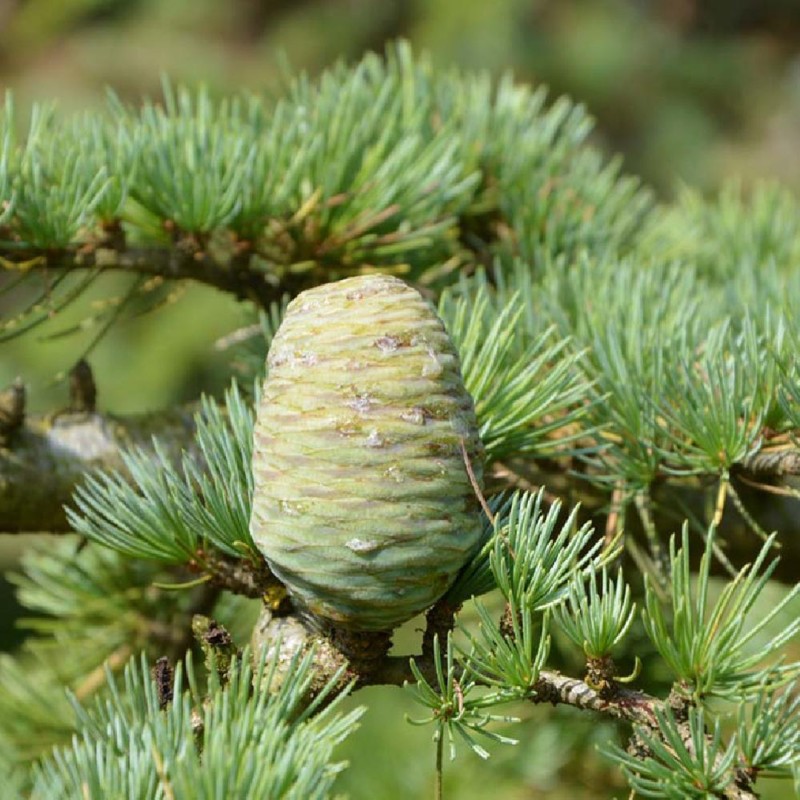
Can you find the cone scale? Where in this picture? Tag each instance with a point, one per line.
(363, 505)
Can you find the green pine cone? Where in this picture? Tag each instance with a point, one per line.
(363, 505)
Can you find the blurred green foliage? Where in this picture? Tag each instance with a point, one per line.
(685, 90)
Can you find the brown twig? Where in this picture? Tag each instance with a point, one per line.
(440, 619)
(172, 263)
(780, 491)
(474, 481)
(240, 576)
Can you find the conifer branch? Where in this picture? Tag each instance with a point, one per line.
(232, 275)
(47, 456)
(242, 577)
(586, 349)
(628, 705)
(773, 462)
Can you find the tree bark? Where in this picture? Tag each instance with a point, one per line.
(46, 457)
(235, 274)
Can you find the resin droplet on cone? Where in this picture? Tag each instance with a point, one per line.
(363, 506)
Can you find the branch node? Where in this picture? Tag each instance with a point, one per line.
(12, 410)
(440, 619)
(164, 677)
(82, 388)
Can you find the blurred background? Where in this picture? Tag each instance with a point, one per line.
(685, 90)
